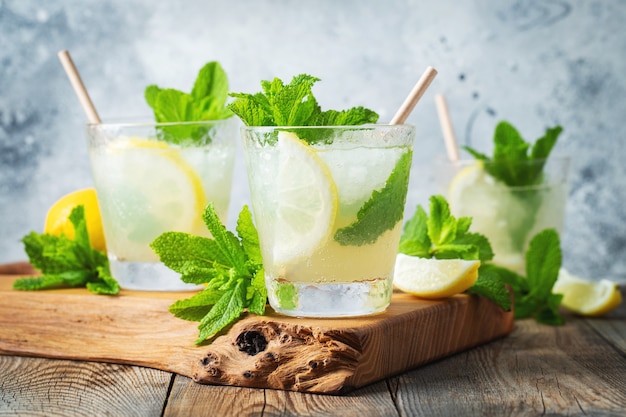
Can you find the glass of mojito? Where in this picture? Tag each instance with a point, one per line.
(152, 178)
(328, 203)
(510, 216)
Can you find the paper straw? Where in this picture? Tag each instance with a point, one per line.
(446, 127)
(414, 96)
(79, 87)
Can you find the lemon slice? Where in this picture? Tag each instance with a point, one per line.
(147, 188)
(307, 200)
(434, 278)
(586, 297)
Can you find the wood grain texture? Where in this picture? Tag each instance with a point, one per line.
(536, 370)
(50, 387)
(309, 355)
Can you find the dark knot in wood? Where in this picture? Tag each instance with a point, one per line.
(251, 342)
(293, 357)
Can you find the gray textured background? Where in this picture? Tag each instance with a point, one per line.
(536, 63)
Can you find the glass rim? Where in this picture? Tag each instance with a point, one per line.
(369, 126)
(143, 124)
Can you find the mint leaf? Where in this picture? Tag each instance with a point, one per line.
(511, 162)
(249, 236)
(441, 224)
(287, 295)
(293, 104)
(227, 309)
(228, 246)
(67, 262)
(533, 294)
(440, 235)
(382, 211)
(491, 286)
(230, 268)
(414, 240)
(543, 261)
(207, 101)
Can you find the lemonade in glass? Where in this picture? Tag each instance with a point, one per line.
(148, 184)
(328, 204)
(509, 216)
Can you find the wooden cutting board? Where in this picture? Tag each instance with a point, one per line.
(330, 356)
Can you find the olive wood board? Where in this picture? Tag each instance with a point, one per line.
(326, 356)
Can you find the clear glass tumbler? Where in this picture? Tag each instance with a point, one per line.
(510, 216)
(328, 203)
(152, 178)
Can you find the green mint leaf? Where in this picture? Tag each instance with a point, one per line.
(287, 295)
(229, 267)
(150, 94)
(414, 240)
(441, 224)
(187, 254)
(294, 104)
(491, 286)
(543, 261)
(227, 243)
(106, 284)
(543, 146)
(67, 262)
(257, 294)
(480, 242)
(172, 106)
(514, 161)
(354, 116)
(212, 83)
(468, 252)
(227, 309)
(440, 235)
(197, 306)
(476, 154)
(382, 211)
(207, 101)
(38, 283)
(249, 236)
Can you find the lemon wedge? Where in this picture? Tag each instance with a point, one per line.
(58, 222)
(147, 188)
(307, 200)
(586, 297)
(434, 278)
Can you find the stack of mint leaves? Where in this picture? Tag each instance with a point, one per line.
(516, 162)
(293, 104)
(67, 262)
(207, 101)
(229, 266)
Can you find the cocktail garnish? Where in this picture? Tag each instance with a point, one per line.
(230, 267)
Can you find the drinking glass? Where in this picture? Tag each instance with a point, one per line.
(152, 178)
(328, 203)
(509, 216)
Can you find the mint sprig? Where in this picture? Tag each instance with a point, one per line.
(441, 235)
(67, 262)
(207, 101)
(515, 161)
(533, 294)
(293, 104)
(518, 163)
(382, 211)
(229, 266)
(438, 234)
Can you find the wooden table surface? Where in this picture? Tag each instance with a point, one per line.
(575, 369)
